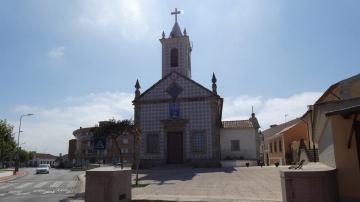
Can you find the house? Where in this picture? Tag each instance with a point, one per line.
(239, 139)
(282, 142)
(42, 158)
(334, 127)
(88, 149)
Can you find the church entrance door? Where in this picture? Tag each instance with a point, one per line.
(175, 148)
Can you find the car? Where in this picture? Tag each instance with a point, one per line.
(43, 168)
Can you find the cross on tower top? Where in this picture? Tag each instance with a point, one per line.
(176, 12)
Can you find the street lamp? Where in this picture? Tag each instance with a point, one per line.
(17, 155)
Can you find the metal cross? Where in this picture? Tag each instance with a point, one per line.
(176, 12)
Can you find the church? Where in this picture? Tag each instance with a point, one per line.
(180, 120)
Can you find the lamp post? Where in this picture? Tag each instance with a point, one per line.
(17, 151)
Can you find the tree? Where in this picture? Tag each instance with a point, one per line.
(114, 129)
(7, 142)
(24, 155)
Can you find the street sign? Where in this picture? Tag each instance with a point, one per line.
(100, 143)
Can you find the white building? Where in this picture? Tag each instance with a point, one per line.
(42, 158)
(240, 140)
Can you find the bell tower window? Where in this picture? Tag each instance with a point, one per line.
(174, 57)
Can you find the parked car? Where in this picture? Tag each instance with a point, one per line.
(43, 168)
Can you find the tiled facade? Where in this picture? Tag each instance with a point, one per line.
(199, 107)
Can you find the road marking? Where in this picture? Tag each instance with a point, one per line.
(14, 192)
(41, 184)
(56, 184)
(71, 184)
(48, 192)
(6, 186)
(21, 194)
(23, 185)
(38, 190)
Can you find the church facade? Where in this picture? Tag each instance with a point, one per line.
(179, 119)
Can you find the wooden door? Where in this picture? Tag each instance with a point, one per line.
(175, 148)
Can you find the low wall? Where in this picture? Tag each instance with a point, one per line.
(108, 184)
(309, 185)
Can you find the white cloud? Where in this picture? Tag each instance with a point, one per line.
(128, 19)
(57, 52)
(268, 111)
(50, 128)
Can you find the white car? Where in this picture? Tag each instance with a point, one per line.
(43, 168)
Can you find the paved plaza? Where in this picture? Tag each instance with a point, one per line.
(216, 184)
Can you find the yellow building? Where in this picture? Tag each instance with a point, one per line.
(278, 141)
(334, 127)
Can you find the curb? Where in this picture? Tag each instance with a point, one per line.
(13, 177)
(80, 188)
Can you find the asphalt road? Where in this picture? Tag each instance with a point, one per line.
(58, 185)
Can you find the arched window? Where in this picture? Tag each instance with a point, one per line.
(174, 57)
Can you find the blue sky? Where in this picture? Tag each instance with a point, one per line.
(74, 63)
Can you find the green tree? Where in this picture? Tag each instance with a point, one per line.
(24, 155)
(114, 129)
(7, 142)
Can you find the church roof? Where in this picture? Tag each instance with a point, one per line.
(176, 31)
(237, 124)
(165, 77)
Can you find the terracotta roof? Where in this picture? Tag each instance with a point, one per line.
(280, 128)
(332, 87)
(44, 156)
(237, 124)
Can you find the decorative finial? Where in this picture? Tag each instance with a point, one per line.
(185, 33)
(176, 12)
(213, 78)
(214, 86)
(163, 34)
(137, 87)
(252, 112)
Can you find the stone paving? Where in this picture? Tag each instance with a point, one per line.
(220, 184)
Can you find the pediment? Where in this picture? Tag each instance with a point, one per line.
(175, 86)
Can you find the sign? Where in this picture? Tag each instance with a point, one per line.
(174, 110)
(100, 143)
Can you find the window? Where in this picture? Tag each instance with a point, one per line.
(280, 146)
(174, 57)
(198, 142)
(235, 145)
(275, 147)
(152, 143)
(270, 146)
(125, 141)
(124, 150)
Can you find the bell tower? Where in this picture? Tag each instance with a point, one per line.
(176, 51)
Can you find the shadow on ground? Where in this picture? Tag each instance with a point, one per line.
(165, 175)
(77, 196)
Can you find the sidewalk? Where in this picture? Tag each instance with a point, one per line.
(252, 184)
(8, 175)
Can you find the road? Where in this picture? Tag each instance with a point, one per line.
(58, 185)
